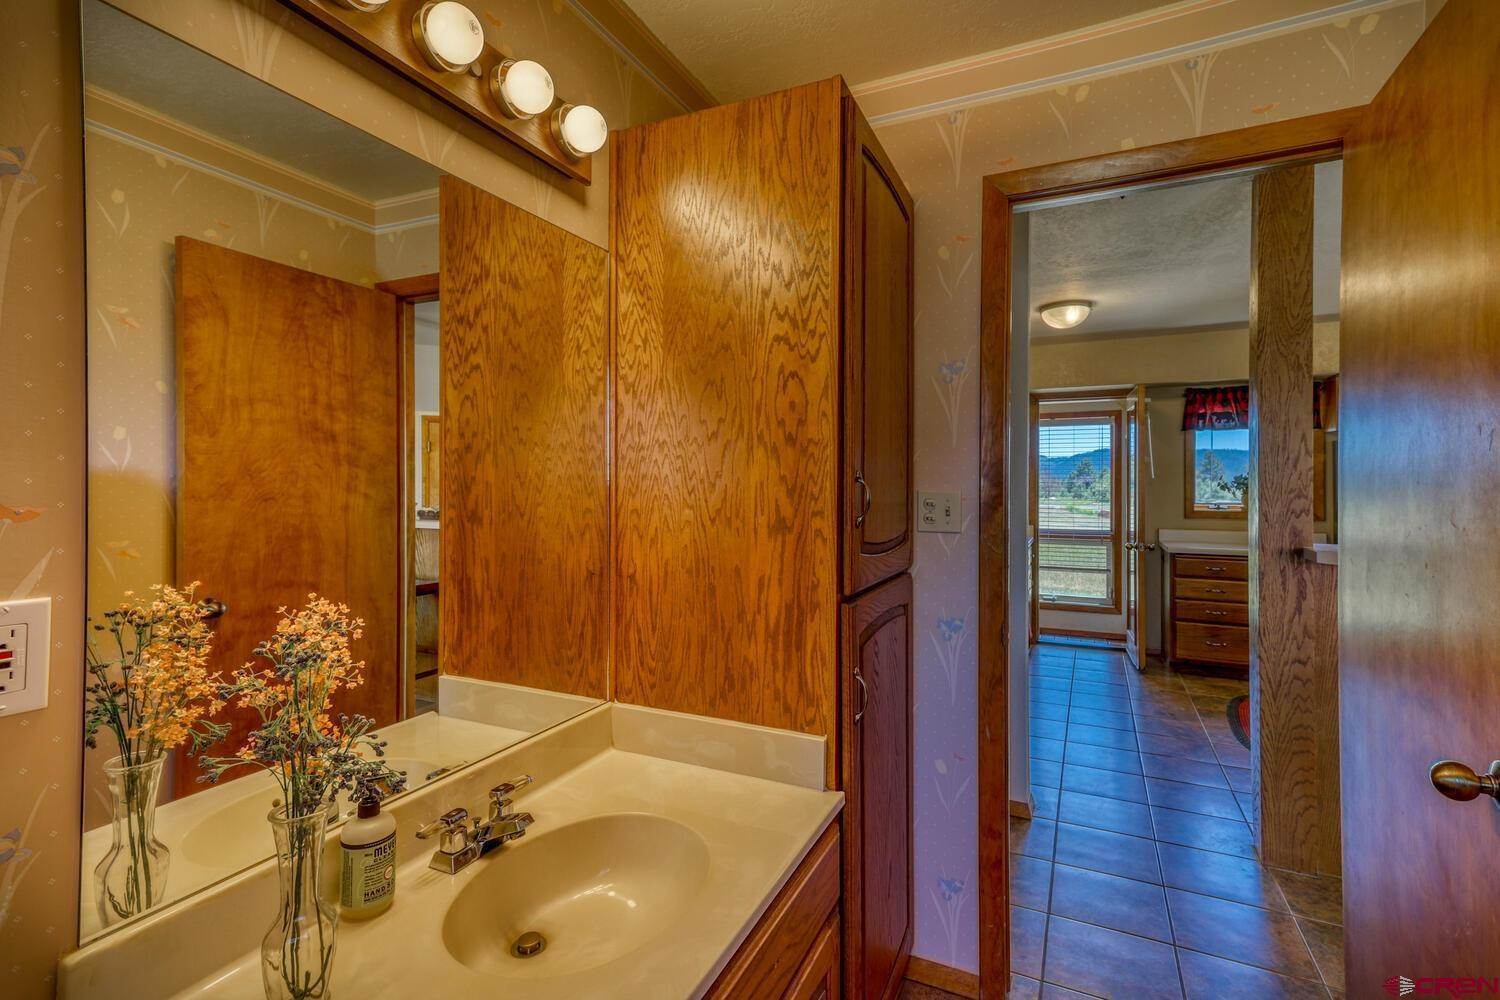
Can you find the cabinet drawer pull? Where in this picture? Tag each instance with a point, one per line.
(867, 500)
(1216, 590)
(1214, 569)
(1216, 614)
(1215, 645)
(864, 697)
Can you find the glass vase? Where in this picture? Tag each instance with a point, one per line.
(132, 876)
(296, 955)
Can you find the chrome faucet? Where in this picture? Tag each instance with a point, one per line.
(462, 841)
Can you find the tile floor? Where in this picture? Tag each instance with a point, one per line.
(1137, 876)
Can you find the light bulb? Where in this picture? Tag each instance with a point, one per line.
(580, 130)
(1065, 315)
(522, 87)
(448, 34)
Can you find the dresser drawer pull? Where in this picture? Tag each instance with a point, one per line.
(1215, 645)
(1216, 590)
(1214, 569)
(1216, 614)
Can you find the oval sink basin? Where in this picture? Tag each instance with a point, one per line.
(595, 890)
(235, 835)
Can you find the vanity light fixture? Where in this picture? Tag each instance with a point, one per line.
(579, 129)
(363, 6)
(522, 87)
(1067, 314)
(448, 35)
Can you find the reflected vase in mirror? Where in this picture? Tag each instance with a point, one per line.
(133, 874)
(296, 955)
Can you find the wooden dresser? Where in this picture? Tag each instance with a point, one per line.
(1208, 614)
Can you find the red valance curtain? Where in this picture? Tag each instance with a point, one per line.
(1216, 408)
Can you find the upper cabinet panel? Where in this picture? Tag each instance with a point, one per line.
(878, 366)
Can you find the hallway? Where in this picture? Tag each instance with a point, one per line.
(1137, 876)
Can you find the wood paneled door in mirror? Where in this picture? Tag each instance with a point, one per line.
(524, 446)
(877, 364)
(289, 462)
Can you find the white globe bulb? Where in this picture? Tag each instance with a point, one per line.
(448, 34)
(524, 88)
(580, 129)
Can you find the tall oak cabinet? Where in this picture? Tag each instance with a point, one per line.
(762, 455)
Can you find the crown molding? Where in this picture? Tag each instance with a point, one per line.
(628, 35)
(1178, 31)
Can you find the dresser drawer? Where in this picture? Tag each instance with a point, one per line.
(1192, 589)
(1212, 612)
(1213, 643)
(1211, 568)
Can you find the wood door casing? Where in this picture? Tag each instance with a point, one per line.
(524, 448)
(726, 230)
(1135, 527)
(290, 464)
(878, 884)
(878, 317)
(1419, 559)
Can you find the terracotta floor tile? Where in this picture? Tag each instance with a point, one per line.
(1103, 813)
(1240, 779)
(1157, 709)
(1046, 749)
(1051, 991)
(1243, 880)
(1057, 712)
(1208, 833)
(1045, 696)
(1086, 683)
(1052, 670)
(1185, 728)
(1318, 897)
(1046, 772)
(1107, 758)
(1096, 781)
(1034, 838)
(1326, 941)
(1105, 851)
(1193, 798)
(1028, 932)
(1051, 729)
(1194, 772)
(1120, 904)
(1044, 802)
(1208, 978)
(1102, 717)
(1246, 934)
(1190, 747)
(1232, 754)
(1104, 701)
(1022, 988)
(1119, 739)
(1030, 882)
(1106, 963)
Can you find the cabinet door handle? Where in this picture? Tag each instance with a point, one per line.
(867, 500)
(864, 697)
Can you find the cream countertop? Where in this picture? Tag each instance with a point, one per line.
(1209, 543)
(611, 761)
(221, 829)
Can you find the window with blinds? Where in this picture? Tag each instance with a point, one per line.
(1076, 510)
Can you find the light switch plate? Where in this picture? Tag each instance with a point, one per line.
(939, 511)
(25, 648)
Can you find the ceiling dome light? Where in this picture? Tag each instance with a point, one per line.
(448, 34)
(579, 129)
(522, 87)
(1066, 315)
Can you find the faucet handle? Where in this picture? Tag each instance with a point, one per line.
(450, 827)
(500, 796)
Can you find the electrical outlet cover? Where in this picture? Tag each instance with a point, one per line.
(939, 511)
(25, 629)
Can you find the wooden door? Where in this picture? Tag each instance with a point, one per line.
(290, 461)
(877, 628)
(1135, 527)
(524, 561)
(877, 363)
(1419, 559)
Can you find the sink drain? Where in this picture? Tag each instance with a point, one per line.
(528, 944)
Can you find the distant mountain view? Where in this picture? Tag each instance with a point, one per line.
(1057, 469)
(1236, 461)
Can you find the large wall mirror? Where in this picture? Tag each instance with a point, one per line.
(296, 375)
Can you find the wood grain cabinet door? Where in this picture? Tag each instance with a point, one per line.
(877, 782)
(877, 364)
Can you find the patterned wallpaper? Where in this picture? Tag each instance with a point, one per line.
(942, 158)
(44, 452)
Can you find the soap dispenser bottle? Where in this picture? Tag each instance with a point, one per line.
(367, 871)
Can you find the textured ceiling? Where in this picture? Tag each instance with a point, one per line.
(1170, 258)
(740, 48)
(139, 63)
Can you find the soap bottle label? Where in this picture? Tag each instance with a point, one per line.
(369, 874)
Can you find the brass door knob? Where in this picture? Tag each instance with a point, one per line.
(1459, 782)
